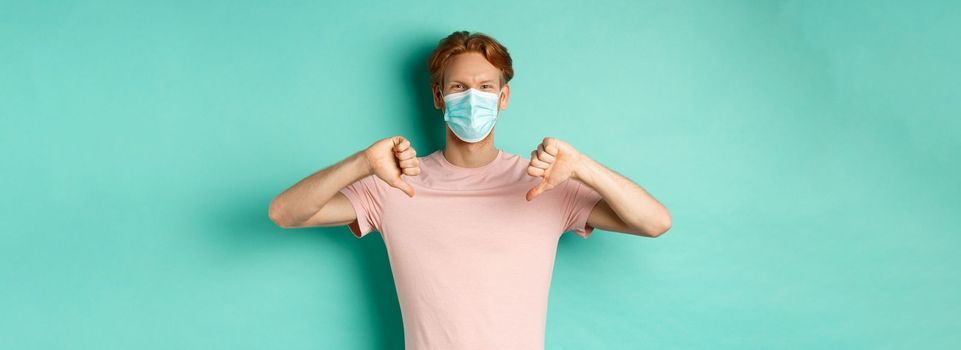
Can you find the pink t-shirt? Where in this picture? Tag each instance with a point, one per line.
(471, 257)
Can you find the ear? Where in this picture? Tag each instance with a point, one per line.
(505, 97)
(438, 96)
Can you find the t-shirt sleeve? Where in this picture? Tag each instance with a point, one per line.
(579, 201)
(366, 196)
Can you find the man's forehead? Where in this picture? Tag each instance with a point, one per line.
(473, 75)
(471, 67)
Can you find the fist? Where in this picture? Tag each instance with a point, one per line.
(391, 157)
(554, 160)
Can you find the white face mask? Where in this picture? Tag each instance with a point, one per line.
(471, 114)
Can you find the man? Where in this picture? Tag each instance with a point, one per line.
(471, 231)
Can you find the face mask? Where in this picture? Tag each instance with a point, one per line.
(471, 114)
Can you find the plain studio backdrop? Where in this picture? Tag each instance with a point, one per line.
(808, 151)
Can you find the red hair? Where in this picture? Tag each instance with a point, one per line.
(462, 41)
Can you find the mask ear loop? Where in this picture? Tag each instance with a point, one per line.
(443, 99)
(440, 90)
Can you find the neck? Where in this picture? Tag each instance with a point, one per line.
(470, 155)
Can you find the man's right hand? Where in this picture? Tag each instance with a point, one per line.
(391, 157)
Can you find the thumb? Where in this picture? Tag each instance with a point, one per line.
(403, 186)
(537, 190)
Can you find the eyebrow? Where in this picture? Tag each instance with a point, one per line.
(482, 81)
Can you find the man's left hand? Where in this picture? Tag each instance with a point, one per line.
(555, 161)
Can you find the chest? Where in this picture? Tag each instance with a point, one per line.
(496, 220)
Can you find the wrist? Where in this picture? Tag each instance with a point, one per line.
(583, 168)
(361, 164)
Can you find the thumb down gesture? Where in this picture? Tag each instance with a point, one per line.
(554, 160)
(391, 157)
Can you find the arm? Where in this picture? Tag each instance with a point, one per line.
(316, 200)
(624, 206)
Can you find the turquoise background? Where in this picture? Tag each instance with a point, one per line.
(808, 151)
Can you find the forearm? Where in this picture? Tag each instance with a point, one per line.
(628, 200)
(305, 198)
